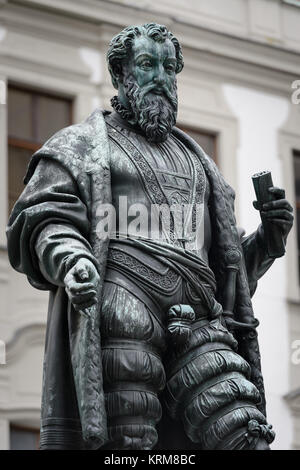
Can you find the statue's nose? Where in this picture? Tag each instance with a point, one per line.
(158, 80)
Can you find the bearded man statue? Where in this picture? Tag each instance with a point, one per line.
(151, 337)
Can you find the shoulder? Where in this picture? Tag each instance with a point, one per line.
(72, 145)
(214, 174)
(187, 140)
(77, 138)
(207, 162)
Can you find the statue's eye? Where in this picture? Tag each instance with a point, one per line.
(170, 68)
(146, 64)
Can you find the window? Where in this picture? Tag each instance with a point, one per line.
(297, 191)
(24, 438)
(33, 117)
(206, 140)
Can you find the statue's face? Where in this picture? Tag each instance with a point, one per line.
(153, 63)
(148, 87)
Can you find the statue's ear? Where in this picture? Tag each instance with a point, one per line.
(116, 74)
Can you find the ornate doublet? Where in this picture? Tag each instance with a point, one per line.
(167, 174)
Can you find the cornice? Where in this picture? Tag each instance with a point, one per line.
(97, 11)
(93, 23)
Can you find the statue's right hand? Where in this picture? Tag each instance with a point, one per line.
(81, 284)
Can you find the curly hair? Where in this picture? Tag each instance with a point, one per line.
(121, 44)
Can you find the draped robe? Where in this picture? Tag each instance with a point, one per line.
(66, 181)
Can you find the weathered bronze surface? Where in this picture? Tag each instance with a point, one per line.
(148, 329)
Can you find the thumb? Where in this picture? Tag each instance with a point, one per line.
(82, 273)
(255, 205)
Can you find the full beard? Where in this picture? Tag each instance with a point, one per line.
(154, 114)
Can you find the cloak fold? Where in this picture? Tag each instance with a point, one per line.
(53, 223)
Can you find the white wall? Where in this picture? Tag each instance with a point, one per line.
(260, 115)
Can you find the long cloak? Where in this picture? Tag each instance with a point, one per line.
(66, 181)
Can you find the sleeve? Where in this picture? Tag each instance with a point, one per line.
(48, 228)
(256, 257)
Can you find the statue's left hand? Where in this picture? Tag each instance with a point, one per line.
(279, 212)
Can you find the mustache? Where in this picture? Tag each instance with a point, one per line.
(153, 87)
(137, 94)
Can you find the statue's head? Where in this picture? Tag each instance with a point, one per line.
(143, 62)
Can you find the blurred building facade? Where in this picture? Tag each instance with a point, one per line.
(235, 97)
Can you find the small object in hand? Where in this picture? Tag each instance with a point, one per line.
(262, 182)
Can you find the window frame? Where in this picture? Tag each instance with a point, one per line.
(289, 143)
(35, 92)
(296, 154)
(31, 429)
(28, 144)
(200, 130)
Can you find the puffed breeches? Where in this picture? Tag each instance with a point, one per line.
(203, 383)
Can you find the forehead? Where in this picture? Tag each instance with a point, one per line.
(146, 45)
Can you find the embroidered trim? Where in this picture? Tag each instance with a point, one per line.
(200, 188)
(151, 183)
(165, 282)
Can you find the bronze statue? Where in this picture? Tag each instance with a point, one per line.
(149, 327)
